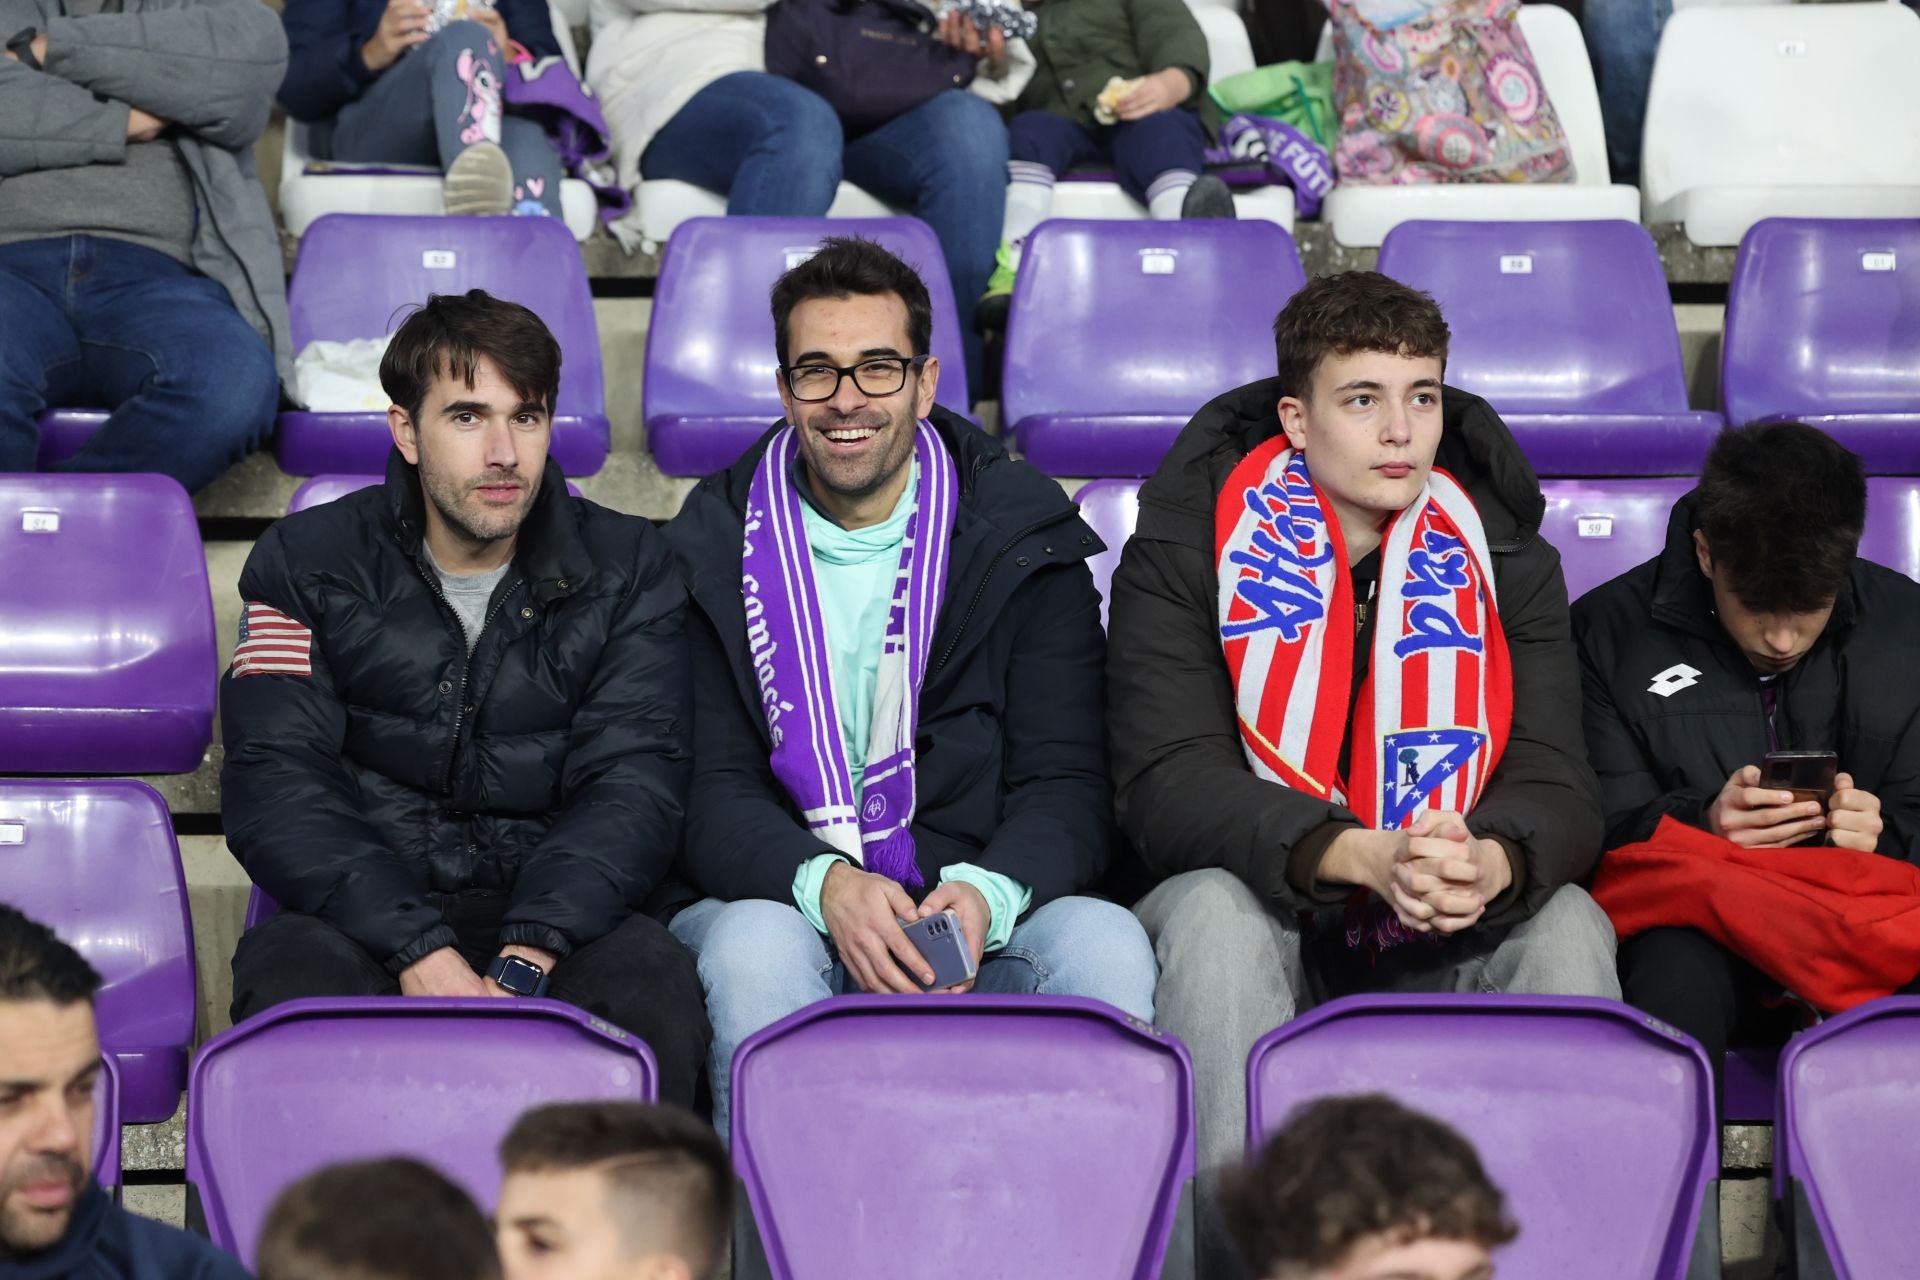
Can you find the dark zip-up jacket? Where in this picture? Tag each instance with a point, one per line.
(1855, 693)
(549, 767)
(1187, 797)
(106, 1242)
(325, 71)
(1011, 758)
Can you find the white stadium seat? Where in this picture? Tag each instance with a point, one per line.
(1362, 215)
(1800, 110)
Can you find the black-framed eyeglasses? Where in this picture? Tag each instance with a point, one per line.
(876, 376)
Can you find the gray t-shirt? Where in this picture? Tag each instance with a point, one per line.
(469, 594)
(147, 199)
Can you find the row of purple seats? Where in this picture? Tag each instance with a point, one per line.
(97, 862)
(1070, 1126)
(355, 277)
(711, 379)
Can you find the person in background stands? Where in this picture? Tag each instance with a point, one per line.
(140, 268)
(376, 82)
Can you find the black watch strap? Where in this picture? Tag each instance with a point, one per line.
(21, 47)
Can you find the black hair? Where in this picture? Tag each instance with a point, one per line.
(392, 1219)
(1782, 506)
(36, 965)
(850, 266)
(1349, 312)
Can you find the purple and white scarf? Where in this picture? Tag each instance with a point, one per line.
(787, 637)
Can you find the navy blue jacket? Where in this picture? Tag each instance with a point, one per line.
(105, 1242)
(324, 38)
(1011, 753)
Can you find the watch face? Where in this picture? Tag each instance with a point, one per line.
(522, 977)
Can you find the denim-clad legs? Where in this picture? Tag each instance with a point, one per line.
(760, 961)
(776, 149)
(90, 322)
(437, 101)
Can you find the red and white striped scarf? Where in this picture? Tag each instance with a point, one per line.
(1432, 717)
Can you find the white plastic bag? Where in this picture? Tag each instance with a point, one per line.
(342, 377)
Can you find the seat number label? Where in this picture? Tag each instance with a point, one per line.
(1594, 526)
(1516, 264)
(1158, 262)
(13, 833)
(1877, 261)
(439, 259)
(40, 521)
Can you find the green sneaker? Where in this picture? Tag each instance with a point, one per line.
(990, 313)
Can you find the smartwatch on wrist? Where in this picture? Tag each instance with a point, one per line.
(20, 45)
(521, 977)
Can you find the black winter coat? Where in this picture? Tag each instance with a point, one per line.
(1011, 751)
(1187, 798)
(1856, 693)
(550, 767)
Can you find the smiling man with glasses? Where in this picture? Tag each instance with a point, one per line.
(897, 688)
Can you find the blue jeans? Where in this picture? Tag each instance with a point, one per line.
(90, 322)
(760, 961)
(437, 101)
(1622, 36)
(777, 150)
(1139, 150)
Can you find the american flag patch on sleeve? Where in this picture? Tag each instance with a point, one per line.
(271, 644)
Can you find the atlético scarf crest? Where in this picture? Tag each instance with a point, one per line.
(787, 637)
(1432, 717)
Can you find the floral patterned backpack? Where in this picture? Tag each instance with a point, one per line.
(1441, 91)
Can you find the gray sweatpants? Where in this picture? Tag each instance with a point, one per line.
(436, 101)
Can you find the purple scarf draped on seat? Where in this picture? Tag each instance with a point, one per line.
(786, 635)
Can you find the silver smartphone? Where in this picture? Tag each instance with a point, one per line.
(942, 943)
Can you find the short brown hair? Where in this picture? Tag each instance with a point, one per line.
(376, 1220)
(847, 267)
(448, 335)
(1353, 311)
(1349, 1169)
(672, 1176)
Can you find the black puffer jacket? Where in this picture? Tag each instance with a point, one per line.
(550, 768)
(1855, 694)
(1187, 798)
(1011, 754)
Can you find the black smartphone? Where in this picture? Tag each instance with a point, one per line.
(942, 943)
(1808, 774)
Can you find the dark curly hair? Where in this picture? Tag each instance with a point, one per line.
(1349, 1169)
(1782, 506)
(1354, 311)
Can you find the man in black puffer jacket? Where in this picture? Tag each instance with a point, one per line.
(457, 720)
(1293, 872)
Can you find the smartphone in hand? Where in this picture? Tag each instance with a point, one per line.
(942, 943)
(1807, 774)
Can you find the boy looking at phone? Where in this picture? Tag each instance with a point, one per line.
(1755, 680)
(897, 690)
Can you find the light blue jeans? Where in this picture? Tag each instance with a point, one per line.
(760, 960)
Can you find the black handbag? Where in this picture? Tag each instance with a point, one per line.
(872, 60)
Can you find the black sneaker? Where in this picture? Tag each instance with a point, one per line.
(1208, 197)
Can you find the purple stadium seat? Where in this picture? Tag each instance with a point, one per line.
(995, 1135)
(97, 862)
(63, 431)
(1567, 329)
(106, 1125)
(323, 489)
(117, 677)
(1111, 507)
(313, 1082)
(357, 275)
(260, 906)
(1747, 1088)
(709, 384)
(1120, 331)
(1823, 319)
(1892, 536)
(1596, 1121)
(1845, 1162)
(1602, 528)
